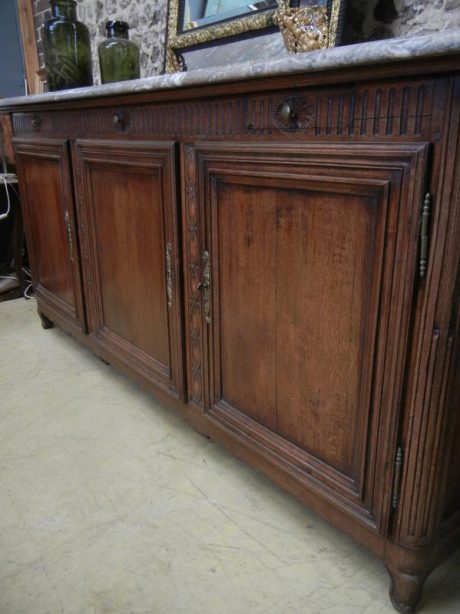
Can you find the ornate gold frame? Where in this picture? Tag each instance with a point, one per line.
(176, 43)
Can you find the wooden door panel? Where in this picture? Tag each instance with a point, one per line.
(46, 195)
(280, 263)
(313, 254)
(248, 300)
(128, 284)
(325, 267)
(53, 267)
(129, 228)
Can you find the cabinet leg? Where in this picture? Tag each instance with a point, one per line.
(406, 590)
(46, 322)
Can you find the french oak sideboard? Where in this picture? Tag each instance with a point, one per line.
(277, 257)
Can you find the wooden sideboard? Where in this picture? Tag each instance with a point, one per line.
(279, 259)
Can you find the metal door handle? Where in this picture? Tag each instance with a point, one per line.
(68, 227)
(205, 285)
(169, 275)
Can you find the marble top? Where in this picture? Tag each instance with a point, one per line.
(376, 52)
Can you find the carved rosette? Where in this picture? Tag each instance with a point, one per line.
(294, 113)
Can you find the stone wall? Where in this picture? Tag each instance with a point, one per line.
(377, 19)
(365, 20)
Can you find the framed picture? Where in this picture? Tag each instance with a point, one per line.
(202, 23)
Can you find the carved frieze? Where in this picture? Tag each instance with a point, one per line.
(380, 110)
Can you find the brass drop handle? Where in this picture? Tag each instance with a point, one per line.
(68, 226)
(205, 285)
(169, 275)
(424, 235)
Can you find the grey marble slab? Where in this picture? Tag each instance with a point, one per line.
(268, 46)
(377, 52)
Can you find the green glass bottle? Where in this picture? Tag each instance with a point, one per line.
(118, 56)
(67, 48)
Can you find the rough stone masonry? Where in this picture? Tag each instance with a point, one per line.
(365, 20)
(377, 19)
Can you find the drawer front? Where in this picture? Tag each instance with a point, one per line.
(385, 110)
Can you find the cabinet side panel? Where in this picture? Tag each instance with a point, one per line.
(452, 503)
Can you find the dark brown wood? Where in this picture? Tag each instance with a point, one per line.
(300, 272)
(49, 217)
(390, 111)
(46, 322)
(6, 130)
(128, 232)
(451, 506)
(312, 348)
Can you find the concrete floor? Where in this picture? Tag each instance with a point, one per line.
(110, 503)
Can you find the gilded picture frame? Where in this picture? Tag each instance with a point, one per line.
(180, 39)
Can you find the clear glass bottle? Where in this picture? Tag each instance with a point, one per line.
(67, 48)
(118, 56)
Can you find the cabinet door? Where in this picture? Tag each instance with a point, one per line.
(128, 229)
(43, 168)
(300, 268)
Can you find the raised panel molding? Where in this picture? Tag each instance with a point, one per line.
(59, 262)
(115, 317)
(384, 171)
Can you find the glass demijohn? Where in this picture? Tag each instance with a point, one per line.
(67, 48)
(118, 56)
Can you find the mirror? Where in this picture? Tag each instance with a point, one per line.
(195, 24)
(199, 13)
